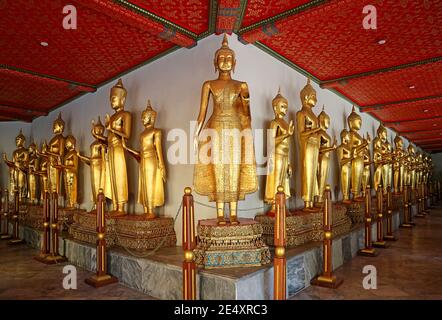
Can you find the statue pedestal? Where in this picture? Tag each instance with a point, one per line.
(303, 227)
(230, 246)
(32, 215)
(356, 211)
(134, 232)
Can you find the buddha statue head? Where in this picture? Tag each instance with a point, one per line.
(20, 140)
(118, 96)
(58, 126)
(398, 142)
(224, 57)
(308, 95)
(44, 147)
(32, 148)
(97, 128)
(382, 132)
(324, 119)
(345, 136)
(148, 116)
(70, 142)
(280, 105)
(411, 150)
(354, 120)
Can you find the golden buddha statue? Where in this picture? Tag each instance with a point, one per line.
(119, 127)
(33, 167)
(367, 166)
(43, 170)
(69, 166)
(55, 151)
(325, 147)
(378, 156)
(358, 144)
(97, 160)
(19, 166)
(228, 172)
(398, 165)
(279, 169)
(389, 165)
(152, 173)
(407, 168)
(419, 168)
(344, 158)
(412, 166)
(309, 139)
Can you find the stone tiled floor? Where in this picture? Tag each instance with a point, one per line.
(411, 268)
(22, 277)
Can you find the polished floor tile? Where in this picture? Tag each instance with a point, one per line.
(411, 268)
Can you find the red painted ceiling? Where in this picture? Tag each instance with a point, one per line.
(399, 82)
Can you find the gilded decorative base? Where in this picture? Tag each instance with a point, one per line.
(355, 211)
(97, 282)
(380, 244)
(33, 216)
(139, 233)
(230, 246)
(135, 232)
(303, 227)
(16, 242)
(327, 282)
(365, 252)
(49, 259)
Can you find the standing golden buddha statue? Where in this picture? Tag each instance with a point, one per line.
(279, 169)
(69, 166)
(119, 127)
(367, 166)
(358, 144)
(412, 166)
(42, 170)
(19, 166)
(398, 165)
(228, 173)
(378, 156)
(152, 173)
(325, 147)
(97, 161)
(56, 149)
(308, 137)
(33, 167)
(389, 164)
(419, 168)
(344, 158)
(407, 168)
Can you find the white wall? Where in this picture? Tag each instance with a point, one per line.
(173, 83)
(437, 162)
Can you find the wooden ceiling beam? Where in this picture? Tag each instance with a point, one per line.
(266, 28)
(343, 80)
(229, 15)
(80, 86)
(33, 111)
(141, 19)
(16, 116)
(398, 122)
(380, 106)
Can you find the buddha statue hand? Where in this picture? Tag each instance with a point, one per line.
(289, 171)
(291, 128)
(107, 121)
